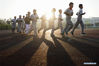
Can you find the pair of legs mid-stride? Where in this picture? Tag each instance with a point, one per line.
(76, 25)
(68, 27)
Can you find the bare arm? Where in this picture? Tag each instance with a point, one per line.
(66, 12)
(72, 14)
(82, 13)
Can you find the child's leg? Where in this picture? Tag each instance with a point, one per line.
(35, 30)
(82, 26)
(18, 28)
(61, 27)
(26, 29)
(53, 28)
(57, 26)
(64, 30)
(76, 25)
(70, 26)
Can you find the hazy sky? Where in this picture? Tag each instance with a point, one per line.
(10, 8)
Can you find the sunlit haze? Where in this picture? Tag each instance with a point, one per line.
(10, 8)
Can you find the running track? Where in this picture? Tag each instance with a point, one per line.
(22, 50)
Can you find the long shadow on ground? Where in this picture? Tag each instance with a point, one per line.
(56, 55)
(88, 50)
(21, 57)
(14, 40)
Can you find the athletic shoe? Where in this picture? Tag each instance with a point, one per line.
(83, 33)
(72, 33)
(66, 33)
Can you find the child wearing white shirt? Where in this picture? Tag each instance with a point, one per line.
(13, 24)
(79, 20)
(34, 18)
(19, 20)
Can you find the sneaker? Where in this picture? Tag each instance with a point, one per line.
(83, 33)
(72, 33)
(66, 33)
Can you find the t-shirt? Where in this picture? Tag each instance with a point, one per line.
(69, 11)
(19, 20)
(34, 17)
(43, 18)
(59, 18)
(23, 20)
(52, 19)
(27, 20)
(13, 20)
(79, 13)
(13, 23)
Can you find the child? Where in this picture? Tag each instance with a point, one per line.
(34, 18)
(69, 24)
(43, 23)
(27, 23)
(23, 24)
(60, 20)
(19, 20)
(13, 24)
(53, 20)
(79, 20)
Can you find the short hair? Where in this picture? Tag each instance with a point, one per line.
(26, 15)
(19, 15)
(23, 16)
(71, 3)
(80, 5)
(34, 9)
(53, 10)
(14, 16)
(60, 10)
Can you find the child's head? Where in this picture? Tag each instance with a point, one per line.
(20, 16)
(81, 6)
(34, 11)
(60, 11)
(29, 13)
(14, 17)
(26, 15)
(71, 4)
(23, 17)
(53, 10)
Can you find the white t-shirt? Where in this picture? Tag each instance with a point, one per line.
(79, 14)
(13, 23)
(68, 17)
(14, 20)
(19, 20)
(59, 17)
(34, 17)
(23, 20)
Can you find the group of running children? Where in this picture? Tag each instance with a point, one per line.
(24, 25)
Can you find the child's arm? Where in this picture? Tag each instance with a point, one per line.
(17, 21)
(83, 13)
(37, 17)
(60, 19)
(67, 13)
(72, 14)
